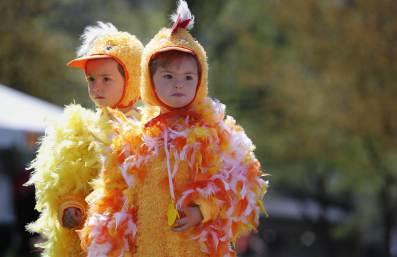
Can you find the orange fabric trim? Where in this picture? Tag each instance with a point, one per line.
(76, 203)
(119, 106)
(81, 61)
(164, 116)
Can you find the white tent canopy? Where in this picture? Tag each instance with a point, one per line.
(19, 111)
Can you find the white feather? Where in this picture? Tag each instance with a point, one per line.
(91, 33)
(99, 250)
(117, 219)
(132, 228)
(183, 13)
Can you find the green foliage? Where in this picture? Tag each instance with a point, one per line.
(341, 80)
(35, 57)
(312, 82)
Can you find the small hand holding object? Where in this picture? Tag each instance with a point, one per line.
(72, 217)
(190, 216)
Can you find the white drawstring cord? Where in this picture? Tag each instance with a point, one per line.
(167, 155)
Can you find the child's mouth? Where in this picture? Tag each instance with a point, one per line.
(178, 94)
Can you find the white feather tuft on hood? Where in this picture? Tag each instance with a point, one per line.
(182, 14)
(91, 33)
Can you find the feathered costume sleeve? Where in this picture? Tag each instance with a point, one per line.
(66, 162)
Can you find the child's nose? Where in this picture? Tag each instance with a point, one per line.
(178, 83)
(96, 86)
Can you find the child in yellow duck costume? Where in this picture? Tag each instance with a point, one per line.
(70, 153)
(190, 185)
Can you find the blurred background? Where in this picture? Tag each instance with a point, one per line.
(313, 83)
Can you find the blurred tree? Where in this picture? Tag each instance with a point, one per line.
(248, 57)
(33, 55)
(343, 75)
(39, 37)
(313, 84)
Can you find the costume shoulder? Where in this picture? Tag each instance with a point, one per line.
(148, 112)
(212, 111)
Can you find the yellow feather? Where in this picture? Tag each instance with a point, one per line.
(67, 160)
(172, 214)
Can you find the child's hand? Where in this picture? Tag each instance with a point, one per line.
(190, 217)
(72, 217)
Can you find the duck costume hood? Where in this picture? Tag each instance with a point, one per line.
(106, 41)
(170, 39)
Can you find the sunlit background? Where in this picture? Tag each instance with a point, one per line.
(313, 82)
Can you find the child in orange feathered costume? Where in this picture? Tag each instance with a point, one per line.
(190, 184)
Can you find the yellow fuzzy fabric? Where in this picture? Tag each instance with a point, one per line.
(154, 236)
(67, 160)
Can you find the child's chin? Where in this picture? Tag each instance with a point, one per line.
(179, 105)
(101, 103)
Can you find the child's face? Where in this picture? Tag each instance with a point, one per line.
(176, 82)
(105, 82)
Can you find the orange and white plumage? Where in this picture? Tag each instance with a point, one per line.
(211, 163)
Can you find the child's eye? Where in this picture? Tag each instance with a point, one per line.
(106, 79)
(167, 76)
(90, 79)
(189, 77)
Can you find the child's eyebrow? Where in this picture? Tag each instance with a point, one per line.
(102, 75)
(186, 73)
